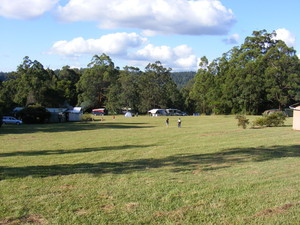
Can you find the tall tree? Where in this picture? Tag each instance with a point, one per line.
(95, 81)
(157, 89)
(203, 84)
(200, 92)
(29, 84)
(67, 80)
(125, 92)
(282, 74)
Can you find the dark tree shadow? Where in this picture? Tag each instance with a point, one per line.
(176, 163)
(72, 126)
(71, 151)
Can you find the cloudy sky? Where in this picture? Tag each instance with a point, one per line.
(137, 32)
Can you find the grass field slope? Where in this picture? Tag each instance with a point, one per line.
(138, 171)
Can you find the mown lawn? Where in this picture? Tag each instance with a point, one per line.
(138, 171)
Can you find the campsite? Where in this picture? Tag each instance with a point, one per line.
(135, 170)
(168, 112)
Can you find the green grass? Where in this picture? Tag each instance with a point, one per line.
(138, 171)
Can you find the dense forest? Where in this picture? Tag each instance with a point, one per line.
(181, 79)
(260, 74)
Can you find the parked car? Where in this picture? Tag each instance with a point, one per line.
(11, 120)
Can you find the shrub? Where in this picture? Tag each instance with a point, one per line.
(87, 117)
(275, 119)
(242, 121)
(34, 114)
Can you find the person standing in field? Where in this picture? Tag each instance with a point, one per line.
(179, 123)
(167, 122)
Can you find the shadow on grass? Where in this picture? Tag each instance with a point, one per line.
(175, 163)
(72, 151)
(72, 126)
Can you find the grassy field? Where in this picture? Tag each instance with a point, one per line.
(138, 171)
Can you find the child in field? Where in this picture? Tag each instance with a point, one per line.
(179, 122)
(167, 122)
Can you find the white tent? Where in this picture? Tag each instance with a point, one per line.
(128, 114)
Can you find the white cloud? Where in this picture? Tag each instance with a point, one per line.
(178, 58)
(286, 36)
(161, 53)
(25, 9)
(157, 16)
(232, 39)
(111, 44)
(128, 46)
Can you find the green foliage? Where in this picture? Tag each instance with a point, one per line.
(242, 121)
(157, 89)
(125, 92)
(87, 117)
(67, 79)
(34, 114)
(95, 82)
(181, 79)
(31, 82)
(201, 92)
(262, 73)
(275, 119)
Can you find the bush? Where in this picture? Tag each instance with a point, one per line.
(34, 114)
(275, 119)
(242, 121)
(87, 117)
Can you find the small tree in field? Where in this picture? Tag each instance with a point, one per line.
(242, 121)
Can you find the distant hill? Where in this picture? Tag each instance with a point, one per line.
(182, 78)
(3, 76)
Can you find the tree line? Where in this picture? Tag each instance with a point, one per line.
(260, 74)
(101, 84)
(263, 73)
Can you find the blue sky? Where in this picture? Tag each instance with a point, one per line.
(137, 32)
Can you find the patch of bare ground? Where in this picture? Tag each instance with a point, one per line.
(131, 205)
(178, 213)
(81, 212)
(197, 171)
(277, 210)
(108, 207)
(66, 187)
(31, 219)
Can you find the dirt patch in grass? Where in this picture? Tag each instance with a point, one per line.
(197, 171)
(66, 187)
(176, 214)
(108, 207)
(31, 219)
(131, 205)
(179, 213)
(81, 212)
(276, 210)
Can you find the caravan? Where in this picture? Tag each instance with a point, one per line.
(157, 112)
(99, 112)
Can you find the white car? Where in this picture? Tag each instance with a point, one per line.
(11, 120)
